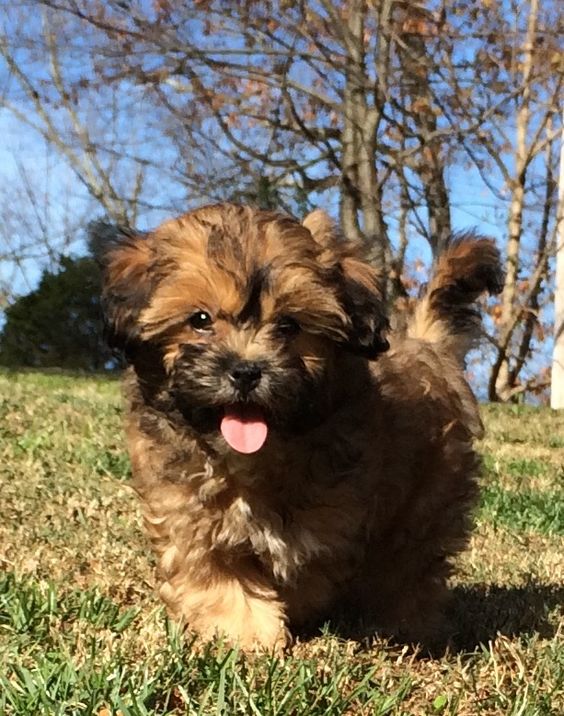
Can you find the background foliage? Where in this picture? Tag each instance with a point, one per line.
(59, 324)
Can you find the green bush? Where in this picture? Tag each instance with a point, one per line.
(59, 324)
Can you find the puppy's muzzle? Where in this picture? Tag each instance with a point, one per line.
(245, 376)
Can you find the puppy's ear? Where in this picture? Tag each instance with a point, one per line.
(127, 261)
(321, 227)
(362, 301)
(358, 287)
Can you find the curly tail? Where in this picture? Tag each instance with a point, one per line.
(447, 314)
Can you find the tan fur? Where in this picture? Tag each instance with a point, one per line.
(359, 513)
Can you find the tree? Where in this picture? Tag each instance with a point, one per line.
(364, 107)
(308, 98)
(60, 323)
(535, 102)
(557, 386)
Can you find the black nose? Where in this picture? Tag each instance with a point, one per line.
(245, 376)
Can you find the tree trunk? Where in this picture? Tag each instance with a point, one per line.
(500, 378)
(360, 190)
(557, 378)
(350, 200)
(431, 160)
(532, 303)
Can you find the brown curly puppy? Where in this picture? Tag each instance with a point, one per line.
(288, 463)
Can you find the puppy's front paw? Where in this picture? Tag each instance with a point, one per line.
(229, 612)
(249, 634)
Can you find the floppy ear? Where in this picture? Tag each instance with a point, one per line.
(126, 259)
(363, 304)
(326, 235)
(358, 287)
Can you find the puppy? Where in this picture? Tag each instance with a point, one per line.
(290, 466)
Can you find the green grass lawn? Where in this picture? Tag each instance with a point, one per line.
(81, 631)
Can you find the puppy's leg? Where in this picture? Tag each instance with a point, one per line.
(416, 611)
(236, 605)
(398, 606)
(210, 594)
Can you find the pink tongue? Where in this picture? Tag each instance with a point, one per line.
(244, 429)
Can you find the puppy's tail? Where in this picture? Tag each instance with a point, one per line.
(447, 314)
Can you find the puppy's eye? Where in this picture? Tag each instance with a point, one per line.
(201, 321)
(287, 326)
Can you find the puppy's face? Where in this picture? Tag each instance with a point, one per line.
(245, 311)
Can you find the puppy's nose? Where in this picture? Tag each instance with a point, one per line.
(245, 376)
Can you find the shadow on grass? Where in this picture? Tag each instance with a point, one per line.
(476, 615)
(479, 612)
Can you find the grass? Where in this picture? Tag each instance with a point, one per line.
(81, 631)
